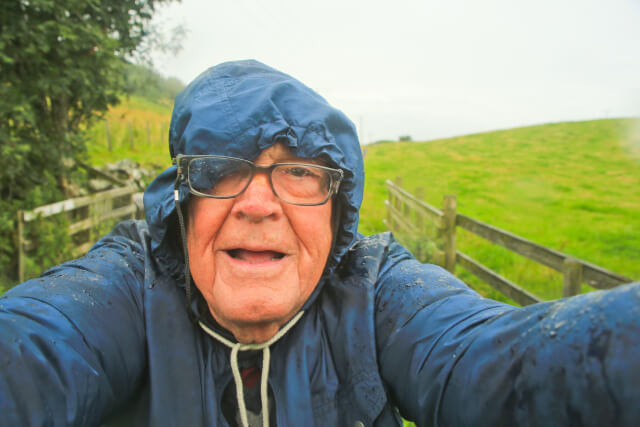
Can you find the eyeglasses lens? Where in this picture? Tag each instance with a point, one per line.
(219, 177)
(293, 183)
(301, 183)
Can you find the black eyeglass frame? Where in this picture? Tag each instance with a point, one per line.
(183, 162)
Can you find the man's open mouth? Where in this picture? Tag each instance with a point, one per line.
(255, 256)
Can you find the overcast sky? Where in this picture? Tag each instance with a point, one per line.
(429, 69)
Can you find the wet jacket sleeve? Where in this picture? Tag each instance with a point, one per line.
(72, 341)
(452, 358)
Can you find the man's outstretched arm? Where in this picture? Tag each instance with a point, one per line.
(72, 341)
(453, 358)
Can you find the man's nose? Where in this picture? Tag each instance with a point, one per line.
(258, 201)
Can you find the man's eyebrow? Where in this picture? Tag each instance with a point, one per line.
(295, 159)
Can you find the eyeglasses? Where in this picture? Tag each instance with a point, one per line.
(222, 177)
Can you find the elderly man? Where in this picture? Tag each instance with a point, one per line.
(294, 319)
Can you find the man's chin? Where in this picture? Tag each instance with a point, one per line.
(256, 318)
(257, 328)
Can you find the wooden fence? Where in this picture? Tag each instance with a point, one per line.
(86, 213)
(408, 213)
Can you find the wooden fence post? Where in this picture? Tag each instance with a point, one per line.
(396, 200)
(449, 232)
(419, 218)
(420, 235)
(398, 182)
(389, 205)
(406, 212)
(20, 244)
(106, 129)
(572, 277)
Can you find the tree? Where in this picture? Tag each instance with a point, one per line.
(61, 65)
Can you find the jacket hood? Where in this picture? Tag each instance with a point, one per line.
(238, 109)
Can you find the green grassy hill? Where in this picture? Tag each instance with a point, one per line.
(146, 119)
(137, 127)
(574, 187)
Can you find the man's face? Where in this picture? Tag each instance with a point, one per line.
(255, 258)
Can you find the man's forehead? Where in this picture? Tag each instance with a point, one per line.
(280, 152)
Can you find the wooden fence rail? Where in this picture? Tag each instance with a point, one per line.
(407, 213)
(88, 212)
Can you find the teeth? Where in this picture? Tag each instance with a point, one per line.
(247, 255)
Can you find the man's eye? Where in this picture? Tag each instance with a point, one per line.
(233, 174)
(299, 171)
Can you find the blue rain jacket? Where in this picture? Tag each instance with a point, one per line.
(106, 339)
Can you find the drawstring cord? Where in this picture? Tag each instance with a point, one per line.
(185, 252)
(266, 360)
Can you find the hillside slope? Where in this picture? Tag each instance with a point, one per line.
(142, 120)
(573, 186)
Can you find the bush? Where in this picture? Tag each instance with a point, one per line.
(51, 244)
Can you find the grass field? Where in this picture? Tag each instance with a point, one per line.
(574, 187)
(134, 115)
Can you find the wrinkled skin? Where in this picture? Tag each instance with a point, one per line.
(255, 258)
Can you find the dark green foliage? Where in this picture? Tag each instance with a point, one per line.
(62, 64)
(51, 243)
(46, 237)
